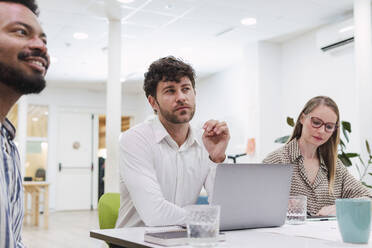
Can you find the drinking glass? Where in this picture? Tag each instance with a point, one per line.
(203, 225)
(297, 206)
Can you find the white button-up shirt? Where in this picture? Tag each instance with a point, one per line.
(158, 178)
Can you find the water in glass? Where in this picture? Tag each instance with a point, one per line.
(203, 225)
(297, 209)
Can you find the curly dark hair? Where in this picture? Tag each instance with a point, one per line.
(30, 4)
(166, 69)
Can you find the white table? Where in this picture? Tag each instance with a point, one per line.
(318, 234)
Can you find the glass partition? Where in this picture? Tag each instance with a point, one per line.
(37, 142)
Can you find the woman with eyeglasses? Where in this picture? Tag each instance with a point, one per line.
(312, 149)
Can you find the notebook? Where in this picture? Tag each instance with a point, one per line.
(171, 238)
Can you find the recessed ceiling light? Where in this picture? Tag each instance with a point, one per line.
(35, 119)
(80, 36)
(346, 29)
(248, 21)
(125, 1)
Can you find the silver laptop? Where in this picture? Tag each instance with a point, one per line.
(252, 195)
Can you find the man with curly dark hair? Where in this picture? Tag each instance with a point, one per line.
(164, 162)
(166, 69)
(30, 4)
(23, 64)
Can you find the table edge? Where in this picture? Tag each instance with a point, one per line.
(116, 241)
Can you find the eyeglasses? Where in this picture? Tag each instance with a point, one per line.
(329, 127)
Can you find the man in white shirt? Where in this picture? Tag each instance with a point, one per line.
(164, 162)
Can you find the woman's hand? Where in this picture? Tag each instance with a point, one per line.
(327, 210)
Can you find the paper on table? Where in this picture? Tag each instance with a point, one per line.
(325, 230)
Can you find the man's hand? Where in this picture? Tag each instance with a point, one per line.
(327, 210)
(216, 138)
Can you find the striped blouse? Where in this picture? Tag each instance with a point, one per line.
(318, 196)
(11, 190)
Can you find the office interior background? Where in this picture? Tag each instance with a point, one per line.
(256, 61)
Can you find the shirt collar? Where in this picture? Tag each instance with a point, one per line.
(9, 128)
(295, 153)
(193, 137)
(322, 163)
(159, 130)
(161, 133)
(294, 150)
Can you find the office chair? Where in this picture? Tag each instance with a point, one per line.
(108, 210)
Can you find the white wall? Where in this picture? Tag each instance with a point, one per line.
(248, 97)
(217, 98)
(271, 121)
(231, 96)
(308, 72)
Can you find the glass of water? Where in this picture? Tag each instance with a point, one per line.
(297, 206)
(203, 225)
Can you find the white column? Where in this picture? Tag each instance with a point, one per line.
(250, 97)
(113, 101)
(22, 131)
(363, 68)
(269, 92)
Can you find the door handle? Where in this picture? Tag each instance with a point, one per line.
(75, 167)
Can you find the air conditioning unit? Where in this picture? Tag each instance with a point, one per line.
(336, 36)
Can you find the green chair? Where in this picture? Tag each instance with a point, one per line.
(108, 210)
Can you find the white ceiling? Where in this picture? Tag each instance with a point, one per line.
(185, 28)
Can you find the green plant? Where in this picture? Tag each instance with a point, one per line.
(347, 158)
(284, 139)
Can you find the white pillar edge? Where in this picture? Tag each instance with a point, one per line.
(113, 107)
(363, 70)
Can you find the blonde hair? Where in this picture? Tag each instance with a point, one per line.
(328, 151)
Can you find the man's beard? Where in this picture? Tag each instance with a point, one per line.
(173, 118)
(19, 81)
